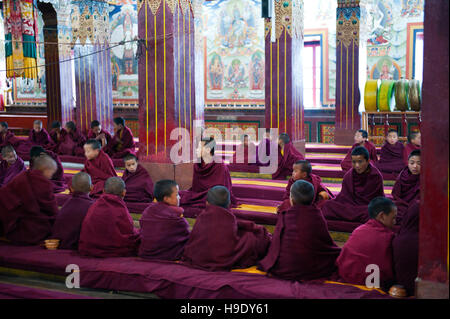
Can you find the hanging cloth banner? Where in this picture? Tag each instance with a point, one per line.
(20, 38)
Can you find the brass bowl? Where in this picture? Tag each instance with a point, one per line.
(398, 291)
(52, 244)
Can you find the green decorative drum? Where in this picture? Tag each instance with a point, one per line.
(385, 98)
(414, 95)
(401, 95)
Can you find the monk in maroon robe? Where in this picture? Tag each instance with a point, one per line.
(57, 135)
(359, 186)
(39, 135)
(10, 165)
(97, 133)
(67, 226)
(407, 186)
(370, 244)
(7, 137)
(27, 204)
(107, 229)
(219, 241)
(361, 139)
(164, 230)
(406, 249)
(98, 165)
(287, 156)
(59, 183)
(245, 156)
(301, 247)
(391, 156)
(122, 142)
(138, 182)
(72, 142)
(206, 175)
(414, 143)
(302, 171)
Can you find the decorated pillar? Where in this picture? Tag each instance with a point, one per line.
(433, 269)
(91, 45)
(166, 75)
(348, 119)
(284, 71)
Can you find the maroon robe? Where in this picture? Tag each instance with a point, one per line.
(219, 241)
(7, 173)
(71, 144)
(406, 249)
(8, 138)
(409, 147)
(406, 189)
(54, 137)
(316, 181)
(122, 144)
(346, 163)
(286, 161)
(267, 142)
(42, 138)
(391, 158)
(351, 204)
(27, 208)
(67, 226)
(92, 135)
(59, 183)
(100, 169)
(164, 232)
(107, 229)
(370, 243)
(205, 176)
(139, 186)
(301, 247)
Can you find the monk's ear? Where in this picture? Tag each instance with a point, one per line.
(124, 193)
(91, 188)
(71, 189)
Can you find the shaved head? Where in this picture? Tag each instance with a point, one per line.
(115, 186)
(302, 193)
(37, 122)
(81, 182)
(8, 149)
(44, 162)
(219, 196)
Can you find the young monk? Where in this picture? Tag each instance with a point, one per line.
(207, 174)
(301, 247)
(122, 142)
(406, 249)
(407, 186)
(138, 182)
(57, 134)
(59, 183)
(8, 138)
(67, 225)
(414, 143)
(27, 204)
(73, 141)
(370, 244)
(219, 241)
(164, 230)
(39, 135)
(107, 229)
(360, 185)
(287, 156)
(97, 133)
(241, 156)
(10, 165)
(302, 170)
(391, 156)
(361, 139)
(98, 165)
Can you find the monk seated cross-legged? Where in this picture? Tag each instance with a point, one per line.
(164, 230)
(407, 186)
(38, 137)
(28, 205)
(302, 171)
(7, 137)
(360, 185)
(206, 174)
(57, 134)
(301, 247)
(245, 154)
(107, 229)
(98, 165)
(391, 156)
(220, 241)
(414, 143)
(97, 133)
(10, 165)
(72, 142)
(122, 142)
(59, 183)
(68, 223)
(361, 139)
(137, 181)
(370, 246)
(287, 156)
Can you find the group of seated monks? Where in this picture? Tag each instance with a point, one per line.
(96, 220)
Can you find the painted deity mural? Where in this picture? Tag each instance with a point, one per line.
(234, 52)
(124, 27)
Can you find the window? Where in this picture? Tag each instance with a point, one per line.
(418, 55)
(312, 72)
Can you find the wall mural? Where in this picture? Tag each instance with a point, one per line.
(234, 53)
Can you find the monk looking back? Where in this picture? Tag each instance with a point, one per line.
(361, 139)
(10, 165)
(287, 156)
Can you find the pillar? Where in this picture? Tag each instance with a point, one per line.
(91, 40)
(283, 71)
(432, 279)
(347, 116)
